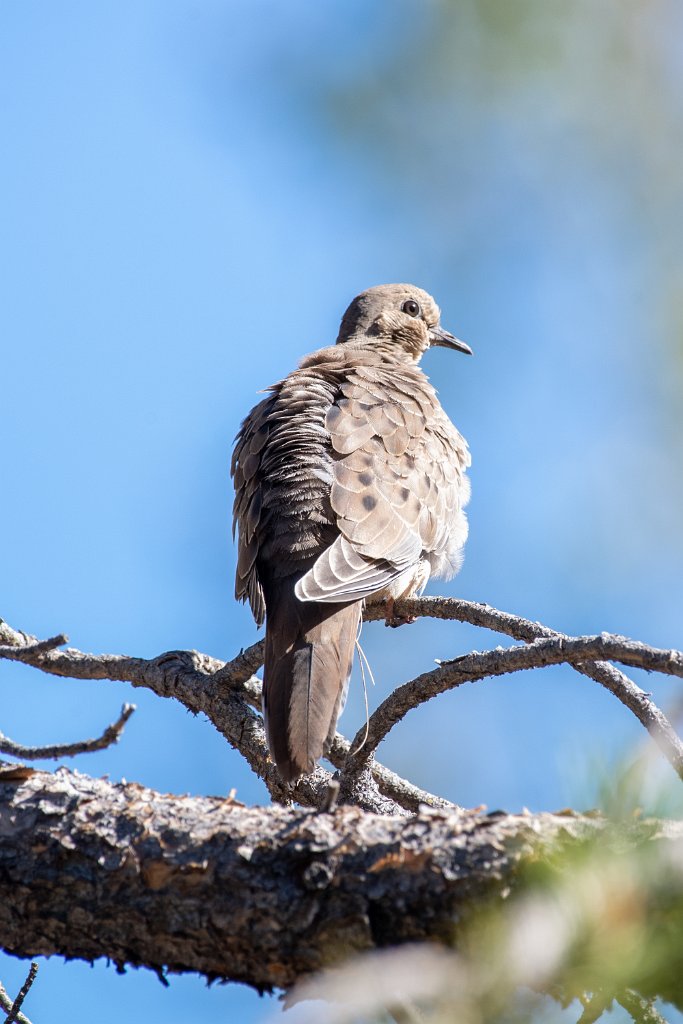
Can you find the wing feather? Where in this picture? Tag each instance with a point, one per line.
(399, 486)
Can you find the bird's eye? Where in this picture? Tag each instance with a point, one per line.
(411, 307)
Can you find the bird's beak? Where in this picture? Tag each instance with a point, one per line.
(440, 338)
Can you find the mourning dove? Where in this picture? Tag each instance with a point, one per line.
(350, 487)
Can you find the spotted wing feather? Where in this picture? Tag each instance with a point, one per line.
(399, 486)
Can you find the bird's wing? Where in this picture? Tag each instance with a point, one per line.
(399, 483)
(246, 462)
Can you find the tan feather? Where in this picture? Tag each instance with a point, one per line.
(350, 485)
(309, 655)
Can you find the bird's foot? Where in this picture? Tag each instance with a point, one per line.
(393, 620)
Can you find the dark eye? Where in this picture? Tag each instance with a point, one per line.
(411, 307)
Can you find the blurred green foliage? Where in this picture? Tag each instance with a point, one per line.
(577, 98)
(592, 928)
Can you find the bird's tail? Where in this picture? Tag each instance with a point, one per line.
(309, 655)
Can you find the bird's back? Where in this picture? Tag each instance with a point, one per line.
(351, 445)
(349, 486)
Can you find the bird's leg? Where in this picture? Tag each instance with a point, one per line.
(393, 620)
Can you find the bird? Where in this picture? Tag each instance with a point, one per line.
(350, 488)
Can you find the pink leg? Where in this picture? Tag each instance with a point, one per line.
(390, 619)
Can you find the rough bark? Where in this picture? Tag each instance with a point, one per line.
(259, 895)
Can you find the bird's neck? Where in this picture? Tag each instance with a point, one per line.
(406, 352)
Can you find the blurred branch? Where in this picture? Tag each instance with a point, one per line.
(641, 1010)
(260, 895)
(594, 1007)
(110, 736)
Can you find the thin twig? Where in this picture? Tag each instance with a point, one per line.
(331, 797)
(405, 793)
(111, 735)
(241, 668)
(6, 1004)
(14, 1016)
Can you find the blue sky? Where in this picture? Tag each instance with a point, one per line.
(190, 194)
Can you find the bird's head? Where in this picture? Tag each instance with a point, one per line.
(400, 319)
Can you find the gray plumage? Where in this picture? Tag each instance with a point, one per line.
(350, 486)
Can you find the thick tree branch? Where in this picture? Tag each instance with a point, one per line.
(264, 896)
(257, 895)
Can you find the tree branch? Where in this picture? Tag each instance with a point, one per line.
(390, 785)
(14, 1014)
(257, 895)
(30, 651)
(612, 678)
(204, 684)
(6, 1004)
(266, 895)
(642, 1011)
(471, 667)
(228, 692)
(111, 735)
